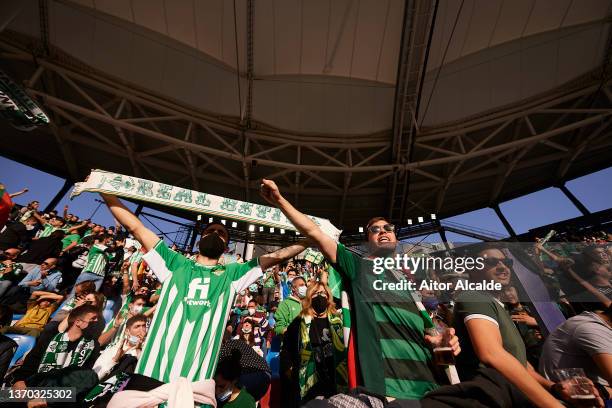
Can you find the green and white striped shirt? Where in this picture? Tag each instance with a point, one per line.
(97, 260)
(184, 338)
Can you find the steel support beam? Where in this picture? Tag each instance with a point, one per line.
(574, 200)
(60, 194)
(504, 221)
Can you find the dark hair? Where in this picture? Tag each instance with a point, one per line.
(80, 311)
(135, 319)
(88, 286)
(143, 297)
(102, 237)
(229, 367)
(63, 221)
(57, 234)
(100, 300)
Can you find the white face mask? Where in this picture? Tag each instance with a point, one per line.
(224, 396)
(133, 340)
(251, 311)
(137, 309)
(246, 330)
(302, 292)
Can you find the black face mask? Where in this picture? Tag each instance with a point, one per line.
(90, 331)
(212, 246)
(319, 304)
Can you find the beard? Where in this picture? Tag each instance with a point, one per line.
(212, 246)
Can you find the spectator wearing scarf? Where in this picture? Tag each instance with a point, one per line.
(63, 359)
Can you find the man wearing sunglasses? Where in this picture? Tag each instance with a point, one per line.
(394, 354)
(489, 337)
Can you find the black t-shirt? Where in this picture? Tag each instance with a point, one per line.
(319, 332)
(321, 342)
(41, 249)
(13, 235)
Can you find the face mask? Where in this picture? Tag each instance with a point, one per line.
(133, 340)
(319, 304)
(224, 396)
(29, 227)
(137, 309)
(289, 280)
(242, 292)
(251, 311)
(246, 330)
(90, 331)
(302, 292)
(212, 246)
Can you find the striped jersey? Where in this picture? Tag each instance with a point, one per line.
(47, 230)
(97, 260)
(185, 335)
(393, 356)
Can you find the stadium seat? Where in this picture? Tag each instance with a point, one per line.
(16, 317)
(24, 345)
(273, 361)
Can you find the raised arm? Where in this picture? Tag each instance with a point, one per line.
(132, 224)
(488, 346)
(274, 258)
(271, 193)
(18, 193)
(74, 229)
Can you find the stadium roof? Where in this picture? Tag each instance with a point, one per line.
(355, 107)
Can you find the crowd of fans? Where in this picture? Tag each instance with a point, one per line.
(87, 296)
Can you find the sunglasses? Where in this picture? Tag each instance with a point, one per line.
(491, 262)
(375, 229)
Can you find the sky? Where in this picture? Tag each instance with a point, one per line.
(526, 212)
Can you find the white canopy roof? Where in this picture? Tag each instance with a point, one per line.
(329, 66)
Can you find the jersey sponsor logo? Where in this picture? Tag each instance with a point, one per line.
(198, 292)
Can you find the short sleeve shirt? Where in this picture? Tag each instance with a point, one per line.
(186, 332)
(393, 356)
(482, 305)
(574, 343)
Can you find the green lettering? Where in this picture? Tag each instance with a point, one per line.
(262, 211)
(183, 195)
(164, 191)
(245, 208)
(145, 188)
(116, 182)
(229, 204)
(202, 200)
(276, 214)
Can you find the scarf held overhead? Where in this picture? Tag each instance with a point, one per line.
(202, 203)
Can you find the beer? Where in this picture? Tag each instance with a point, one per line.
(581, 400)
(443, 356)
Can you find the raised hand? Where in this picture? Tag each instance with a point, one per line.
(270, 192)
